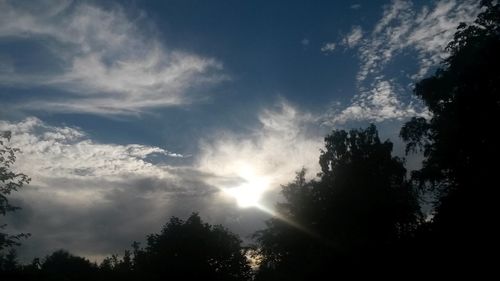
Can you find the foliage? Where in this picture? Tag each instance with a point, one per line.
(463, 98)
(9, 262)
(9, 181)
(360, 206)
(193, 250)
(460, 141)
(62, 265)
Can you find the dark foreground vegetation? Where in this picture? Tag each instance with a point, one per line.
(361, 215)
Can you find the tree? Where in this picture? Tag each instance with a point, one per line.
(364, 188)
(358, 210)
(114, 268)
(9, 262)
(192, 250)
(62, 265)
(9, 181)
(460, 141)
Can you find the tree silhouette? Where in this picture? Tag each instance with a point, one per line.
(10, 181)
(192, 250)
(184, 250)
(114, 268)
(9, 262)
(359, 209)
(62, 265)
(460, 141)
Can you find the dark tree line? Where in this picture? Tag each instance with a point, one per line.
(362, 213)
(183, 250)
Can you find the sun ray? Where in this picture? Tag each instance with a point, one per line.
(249, 194)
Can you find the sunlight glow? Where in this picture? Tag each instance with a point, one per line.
(249, 193)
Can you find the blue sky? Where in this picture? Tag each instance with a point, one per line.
(130, 112)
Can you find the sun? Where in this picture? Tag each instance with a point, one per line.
(250, 192)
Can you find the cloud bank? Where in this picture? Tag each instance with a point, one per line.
(95, 198)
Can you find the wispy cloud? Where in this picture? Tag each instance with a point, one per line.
(285, 141)
(402, 30)
(328, 47)
(110, 63)
(378, 104)
(427, 32)
(353, 38)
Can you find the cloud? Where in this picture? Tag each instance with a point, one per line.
(95, 198)
(107, 62)
(355, 6)
(305, 42)
(328, 47)
(402, 32)
(427, 32)
(378, 104)
(285, 141)
(354, 37)
(67, 152)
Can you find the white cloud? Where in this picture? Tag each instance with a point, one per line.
(427, 32)
(69, 169)
(328, 47)
(378, 104)
(305, 42)
(94, 198)
(401, 30)
(354, 37)
(64, 152)
(82, 191)
(111, 63)
(285, 141)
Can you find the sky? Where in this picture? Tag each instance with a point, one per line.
(130, 112)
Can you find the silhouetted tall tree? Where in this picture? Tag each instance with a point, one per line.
(354, 215)
(192, 250)
(460, 141)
